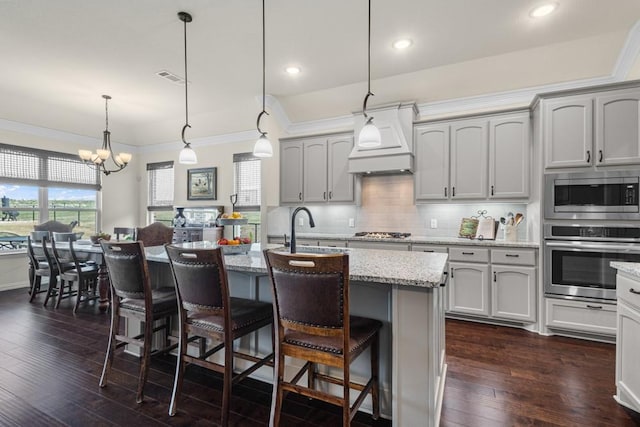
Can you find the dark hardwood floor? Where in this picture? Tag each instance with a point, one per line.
(50, 362)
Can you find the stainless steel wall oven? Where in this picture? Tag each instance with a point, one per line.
(577, 258)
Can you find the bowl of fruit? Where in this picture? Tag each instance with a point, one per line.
(237, 245)
(234, 218)
(100, 236)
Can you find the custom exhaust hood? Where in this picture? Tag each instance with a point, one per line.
(395, 154)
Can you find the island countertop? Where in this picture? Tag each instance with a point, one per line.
(419, 269)
(631, 268)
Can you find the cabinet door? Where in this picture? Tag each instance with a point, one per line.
(469, 160)
(469, 288)
(315, 170)
(291, 172)
(509, 142)
(340, 180)
(627, 351)
(568, 132)
(617, 128)
(513, 293)
(431, 172)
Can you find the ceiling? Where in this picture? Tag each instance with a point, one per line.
(60, 56)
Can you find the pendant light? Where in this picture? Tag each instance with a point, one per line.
(100, 157)
(369, 136)
(187, 155)
(263, 147)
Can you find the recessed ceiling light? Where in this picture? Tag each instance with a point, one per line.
(293, 70)
(402, 43)
(543, 10)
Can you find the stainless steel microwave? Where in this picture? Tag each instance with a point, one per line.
(595, 195)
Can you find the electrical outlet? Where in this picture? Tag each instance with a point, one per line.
(434, 223)
(352, 222)
(300, 221)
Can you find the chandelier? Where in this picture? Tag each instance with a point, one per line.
(103, 154)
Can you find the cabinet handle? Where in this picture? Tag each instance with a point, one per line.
(445, 191)
(452, 272)
(453, 191)
(299, 196)
(633, 291)
(588, 156)
(494, 277)
(330, 194)
(467, 253)
(512, 255)
(431, 250)
(600, 154)
(324, 196)
(492, 190)
(594, 307)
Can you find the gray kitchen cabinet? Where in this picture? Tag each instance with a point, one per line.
(513, 293)
(314, 181)
(627, 342)
(509, 145)
(469, 142)
(568, 131)
(431, 175)
(291, 167)
(617, 125)
(590, 317)
(469, 288)
(314, 170)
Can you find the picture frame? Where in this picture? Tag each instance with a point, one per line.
(202, 184)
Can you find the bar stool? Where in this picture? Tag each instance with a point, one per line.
(155, 234)
(73, 270)
(133, 298)
(207, 311)
(123, 232)
(311, 304)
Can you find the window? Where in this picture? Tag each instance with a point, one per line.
(161, 183)
(247, 186)
(40, 185)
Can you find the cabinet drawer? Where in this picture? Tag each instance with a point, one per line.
(469, 254)
(428, 248)
(628, 290)
(596, 318)
(513, 257)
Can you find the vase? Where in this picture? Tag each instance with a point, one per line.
(179, 220)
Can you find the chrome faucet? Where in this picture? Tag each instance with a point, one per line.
(293, 226)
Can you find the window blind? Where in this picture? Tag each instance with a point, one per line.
(161, 183)
(31, 166)
(246, 183)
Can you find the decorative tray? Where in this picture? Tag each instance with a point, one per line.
(232, 221)
(235, 249)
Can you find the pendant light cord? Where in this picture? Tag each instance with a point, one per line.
(264, 66)
(366, 98)
(106, 113)
(185, 18)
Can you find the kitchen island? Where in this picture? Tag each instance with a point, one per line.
(403, 290)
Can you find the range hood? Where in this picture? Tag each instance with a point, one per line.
(395, 154)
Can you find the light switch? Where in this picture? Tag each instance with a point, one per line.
(434, 223)
(301, 221)
(352, 222)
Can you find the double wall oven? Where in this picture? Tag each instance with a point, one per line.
(591, 219)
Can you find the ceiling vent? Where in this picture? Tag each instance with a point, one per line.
(170, 76)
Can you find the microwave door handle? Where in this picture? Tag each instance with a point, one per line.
(606, 246)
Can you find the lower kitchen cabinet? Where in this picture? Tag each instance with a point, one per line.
(469, 288)
(513, 293)
(580, 316)
(628, 343)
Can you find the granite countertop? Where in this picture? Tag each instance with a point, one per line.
(419, 269)
(449, 241)
(631, 268)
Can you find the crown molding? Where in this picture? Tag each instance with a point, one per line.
(628, 54)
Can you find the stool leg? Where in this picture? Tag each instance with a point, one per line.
(177, 382)
(375, 367)
(276, 396)
(111, 346)
(146, 358)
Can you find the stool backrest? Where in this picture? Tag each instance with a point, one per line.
(121, 232)
(310, 292)
(155, 234)
(201, 279)
(128, 270)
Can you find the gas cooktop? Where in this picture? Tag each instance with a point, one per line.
(382, 235)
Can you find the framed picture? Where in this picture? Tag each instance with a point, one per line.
(201, 184)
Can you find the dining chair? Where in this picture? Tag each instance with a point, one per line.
(73, 270)
(134, 298)
(312, 323)
(155, 234)
(206, 310)
(42, 265)
(123, 232)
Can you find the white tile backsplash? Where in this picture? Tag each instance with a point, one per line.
(387, 205)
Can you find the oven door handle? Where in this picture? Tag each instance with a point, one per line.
(604, 246)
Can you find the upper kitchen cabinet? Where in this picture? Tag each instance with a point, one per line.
(314, 170)
(509, 145)
(456, 159)
(569, 124)
(617, 128)
(469, 159)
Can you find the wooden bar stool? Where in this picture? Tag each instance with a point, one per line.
(155, 234)
(311, 303)
(207, 311)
